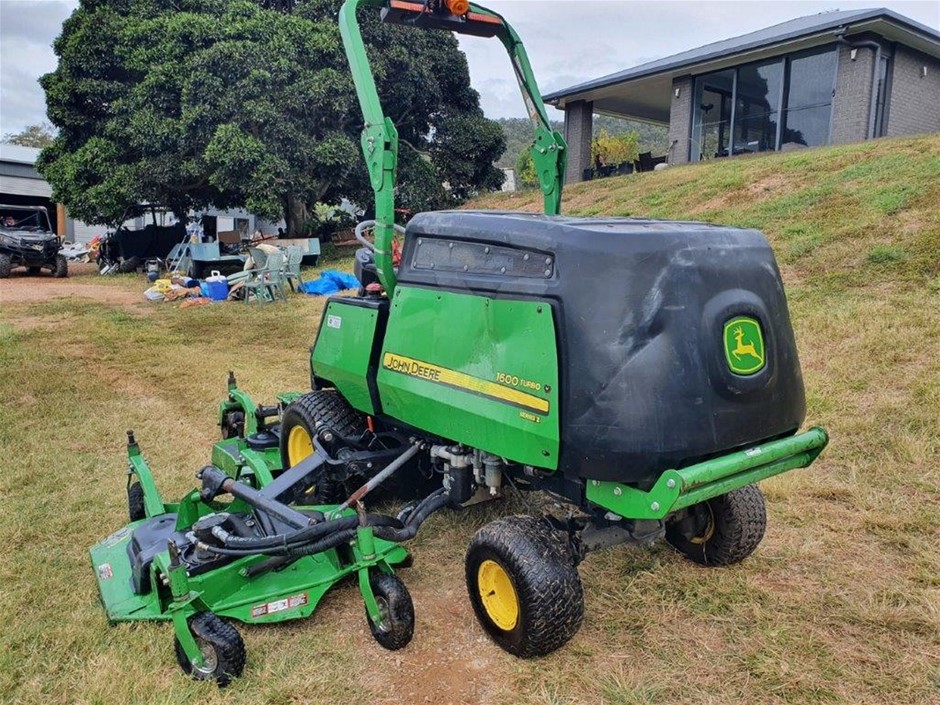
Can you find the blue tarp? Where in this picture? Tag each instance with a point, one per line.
(330, 282)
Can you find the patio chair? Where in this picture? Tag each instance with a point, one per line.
(267, 283)
(295, 256)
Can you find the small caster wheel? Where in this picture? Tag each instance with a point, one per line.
(722, 530)
(135, 502)
(223, 650)
(397, 625)
(233, 424)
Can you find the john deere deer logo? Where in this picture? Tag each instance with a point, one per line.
(744, 345)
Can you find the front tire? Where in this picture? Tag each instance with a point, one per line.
(524, 586)
(61, 268)
(222, 648)
(397, 625)
(6, 266)
(723, 530)
(307, 414)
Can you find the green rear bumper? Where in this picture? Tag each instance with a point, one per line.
(678, 489)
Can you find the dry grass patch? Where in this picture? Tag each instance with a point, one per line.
(838, 605)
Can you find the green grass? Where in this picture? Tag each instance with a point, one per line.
(840, 604)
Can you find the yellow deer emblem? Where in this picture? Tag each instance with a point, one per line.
(743, 348)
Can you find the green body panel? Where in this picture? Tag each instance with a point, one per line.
(343, 350)
(678, 489)
(380, 138)
(225, 591)
(473, 369)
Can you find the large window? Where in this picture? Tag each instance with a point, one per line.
(711, 128)
(763, 106)
(809, 99)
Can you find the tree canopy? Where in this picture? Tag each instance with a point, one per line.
(36, 136)
(191, 103)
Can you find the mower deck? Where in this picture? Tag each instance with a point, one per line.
(275, 596)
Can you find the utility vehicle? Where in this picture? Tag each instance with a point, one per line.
(644, 372)
(27, 240)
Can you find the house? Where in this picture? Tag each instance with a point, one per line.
(21, 184)
(831, 78)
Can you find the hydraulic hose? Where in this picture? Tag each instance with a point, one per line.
(432, 503)
(332, 541)
(304, 536)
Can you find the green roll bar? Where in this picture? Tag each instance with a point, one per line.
(380, 138)
(678, 489)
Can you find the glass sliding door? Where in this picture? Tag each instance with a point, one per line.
(757, 107)
(811, 80)
(780, 103)
(711, 115)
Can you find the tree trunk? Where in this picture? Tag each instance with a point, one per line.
(296, 216)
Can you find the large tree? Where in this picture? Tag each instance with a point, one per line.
(188, 103)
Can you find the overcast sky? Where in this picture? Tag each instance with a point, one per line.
(568, 41)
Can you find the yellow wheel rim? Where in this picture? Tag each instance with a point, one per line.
(709, 529)
(498, 595)
(299, 445)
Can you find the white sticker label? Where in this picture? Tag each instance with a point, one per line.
(287, 603)
(751, 452)
(105, 572)
(334, 322)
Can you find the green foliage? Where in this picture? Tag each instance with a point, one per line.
(615, 149)
(519, 135)
(525, 170)
(248, 103)
(36, 136)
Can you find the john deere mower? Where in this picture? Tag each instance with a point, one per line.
(643, 372)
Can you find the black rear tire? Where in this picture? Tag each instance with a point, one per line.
(398, 613)
(61, 268)
(135, 502)
(6, 266)
(722, 530)
(524, 586)
(221, 645)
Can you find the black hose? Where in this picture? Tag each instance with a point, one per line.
(428, 506)
(332, 541)
(308, 535)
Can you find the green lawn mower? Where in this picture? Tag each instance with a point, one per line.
(644, 372)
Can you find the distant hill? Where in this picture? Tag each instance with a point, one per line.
(653, 138)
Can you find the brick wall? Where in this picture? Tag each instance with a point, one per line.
(851, 103)
(680, 120)
(914, 104)
(579, 127)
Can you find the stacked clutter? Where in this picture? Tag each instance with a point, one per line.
(191, 291)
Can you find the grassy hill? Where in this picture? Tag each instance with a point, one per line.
(839, 604)
(838, 215)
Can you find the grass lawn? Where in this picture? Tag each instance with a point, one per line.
(840, 604)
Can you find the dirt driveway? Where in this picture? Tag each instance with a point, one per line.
(83, 282)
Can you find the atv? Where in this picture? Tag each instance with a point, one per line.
(27, 240)
(643, 372)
